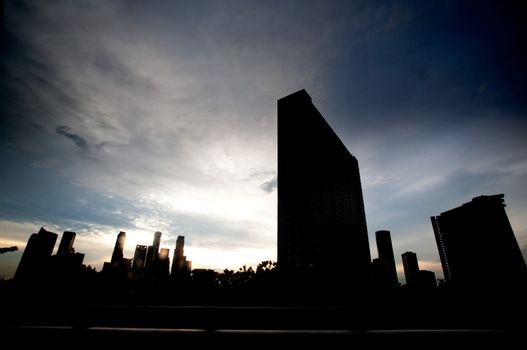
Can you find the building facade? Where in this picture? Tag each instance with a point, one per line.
(36, 256)
(387, 272)
(118, 250)
(180, 264)
(66, 243)
(411, 268)
(321, 219)
(477, 245)
(138, 264)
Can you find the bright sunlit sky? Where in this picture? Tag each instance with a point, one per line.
(144, 116)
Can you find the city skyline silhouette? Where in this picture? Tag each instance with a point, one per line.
(184, 142)
(322, 234)
(305, 246)
(315, 285)
(165, 171)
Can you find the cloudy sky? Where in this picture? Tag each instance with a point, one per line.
(161, 115)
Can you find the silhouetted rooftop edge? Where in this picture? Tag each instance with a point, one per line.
(299, 94)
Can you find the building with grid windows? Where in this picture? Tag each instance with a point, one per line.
(321, 218)
(477, 246)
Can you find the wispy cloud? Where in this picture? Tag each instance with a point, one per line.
(77, 140)
(269, 186)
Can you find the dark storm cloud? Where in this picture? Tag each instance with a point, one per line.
(77, 140)
(269, 186)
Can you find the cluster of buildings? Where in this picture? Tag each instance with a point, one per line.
(148, 261)
(383, 268)
(37, 261)
(322, 223)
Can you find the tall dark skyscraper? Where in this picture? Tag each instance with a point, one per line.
(411, 268)
(388, 272)
(67, 263)
(35, 258)
(164, 261)
(321, 218)
(138, 264)
(153, 251)
(157, 241)
(66, 243)
(117, 255)
(477, 246)
(179, 261)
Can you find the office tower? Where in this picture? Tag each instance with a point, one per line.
(411, 268)
(179, 261)
(157, 241)
(117, 255)
(477, 246)
(65, 267)
(153, 251)
(388, 272)
(66, 264)
(162, 264)
(321, 219)
(138, 264)
(37, 253)
(149, 258)
(426, 279)
(66, 244)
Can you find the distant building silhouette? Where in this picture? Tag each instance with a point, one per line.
(161, 264)
(149, 258)
(66, 243)
(411, 268)
(426, 279)
(321, 218)
(386, 273)
(153, 251)
(117, 255)
(179, 260)
(118, 264)
(477, 246)
(67, 263)
(35, 258)
(138, 264)
(415, 278)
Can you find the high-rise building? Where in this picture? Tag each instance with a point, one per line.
(321, 218)
(66, 244)
(411, 268)
(117, 255)
(153, 251)
(66, 264)
(149, 257)
(138, 264)
(157, 241)
(162, 264)
(37, 253)
(179, 261)
(426, 279)
(387, 273)
(477, 246)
